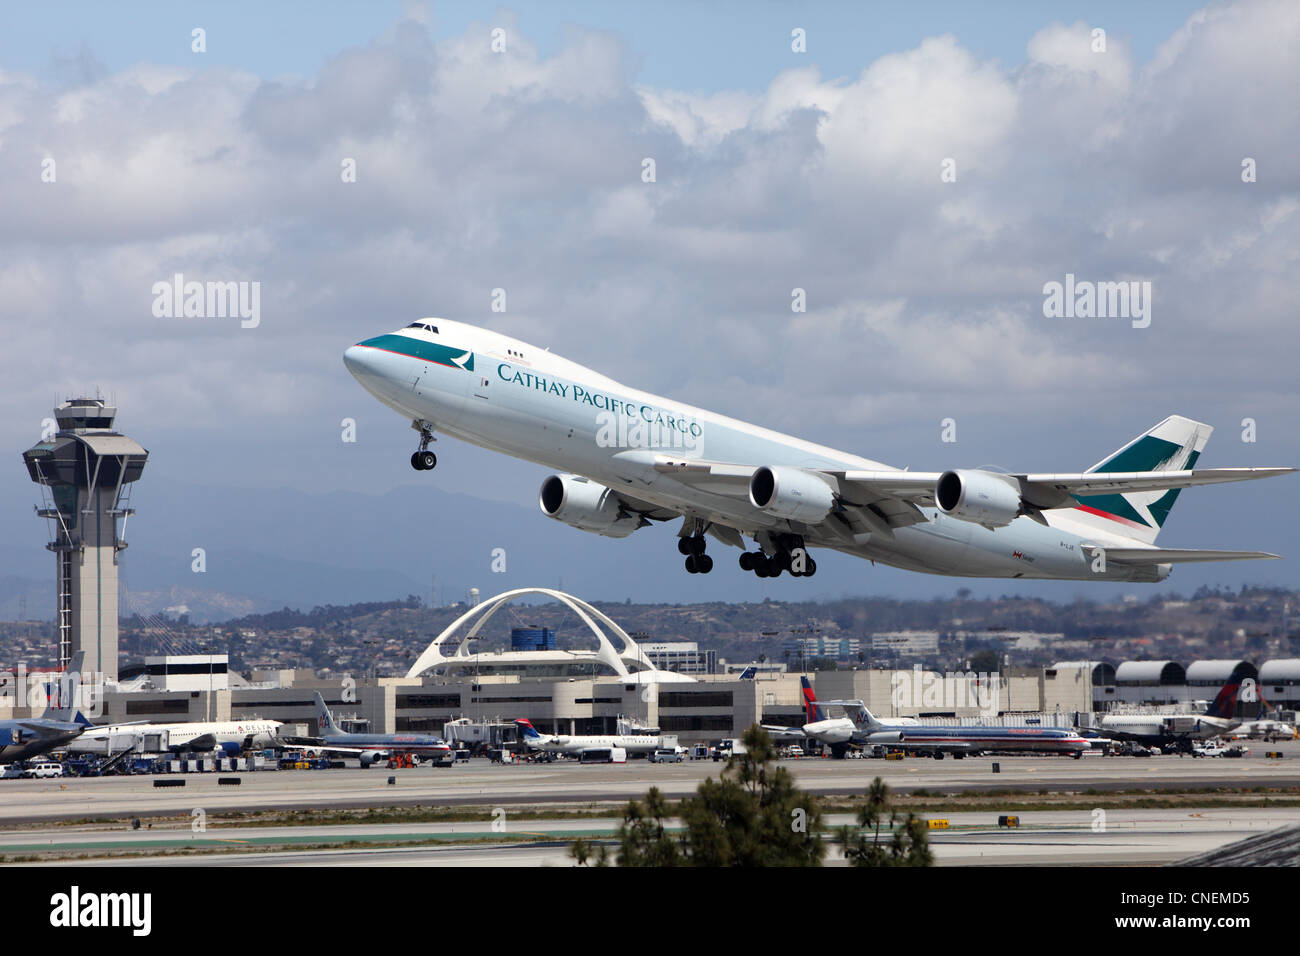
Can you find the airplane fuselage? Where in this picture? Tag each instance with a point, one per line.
(22, 740)
(499, 393)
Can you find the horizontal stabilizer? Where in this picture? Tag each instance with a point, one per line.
(1178, 555)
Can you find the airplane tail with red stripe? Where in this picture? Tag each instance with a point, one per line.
(811, 709)
(1224, 704)
(1173, 445)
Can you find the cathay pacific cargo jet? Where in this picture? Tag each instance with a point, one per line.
(628, 458)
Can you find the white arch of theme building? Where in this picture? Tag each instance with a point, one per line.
(615, 658)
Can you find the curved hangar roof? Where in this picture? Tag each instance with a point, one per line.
(1220, 672)
(1282, 671)
(1150, 672)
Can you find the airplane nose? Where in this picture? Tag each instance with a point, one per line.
(354, 359)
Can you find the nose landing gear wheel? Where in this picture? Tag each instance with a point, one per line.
(424, 460)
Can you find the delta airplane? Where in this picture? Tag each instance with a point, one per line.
(628, 458)
(1176, 730)
(577, 743)
(863, 727)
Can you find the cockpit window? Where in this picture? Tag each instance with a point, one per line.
(427, 326)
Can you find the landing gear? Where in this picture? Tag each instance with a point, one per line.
(424, 460)
(692, 545)
(790, 555)
(697, 562)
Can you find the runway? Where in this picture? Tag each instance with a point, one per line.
(479, 783)
(1043, 838)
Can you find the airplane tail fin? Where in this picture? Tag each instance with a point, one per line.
(1224, 704)
(748, 673)
(527, 730)
(63, 691)
(326, 720)
(812, 710)
(858, 713)
(1172, 445)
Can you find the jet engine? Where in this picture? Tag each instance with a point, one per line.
(791, 493)
(586, 505)
(885, 737)
(983, 497)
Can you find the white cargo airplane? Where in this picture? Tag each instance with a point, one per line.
(629, 458)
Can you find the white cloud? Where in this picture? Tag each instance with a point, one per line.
(522, 170)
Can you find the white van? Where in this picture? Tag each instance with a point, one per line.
(603, 755)
(44, 769)
(10, 771)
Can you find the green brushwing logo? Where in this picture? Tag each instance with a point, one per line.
(428, 351)
(1148, 453)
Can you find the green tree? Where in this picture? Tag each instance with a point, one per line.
(905, 845)
(752, 815)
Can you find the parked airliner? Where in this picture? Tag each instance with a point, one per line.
(1177, 731)
(863, 728)
(62, 722)
(577, 743)
(628, 458)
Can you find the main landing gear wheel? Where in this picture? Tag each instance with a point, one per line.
(763, 566)
(694, 544)
(699, 563)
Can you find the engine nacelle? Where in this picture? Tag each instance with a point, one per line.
(983, 497)
(834, 731)
(791, 493)
(585, 505)
(885, 737)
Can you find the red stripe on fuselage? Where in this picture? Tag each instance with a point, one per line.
(410, 356)
(1106, 514)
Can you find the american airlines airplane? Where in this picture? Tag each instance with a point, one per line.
(863, 728)
(627, 458)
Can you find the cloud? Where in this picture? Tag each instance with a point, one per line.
(522, 170)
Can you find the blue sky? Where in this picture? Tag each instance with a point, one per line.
(690, 46)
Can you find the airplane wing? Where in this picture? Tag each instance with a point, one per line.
(1176, 555)
(1054, 491)
(881, 501)
(776, 731)
(43, 730)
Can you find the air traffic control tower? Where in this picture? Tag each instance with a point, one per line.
(85, 470)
